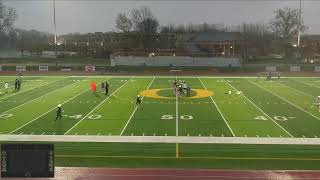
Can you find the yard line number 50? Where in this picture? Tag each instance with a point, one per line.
(171, 117)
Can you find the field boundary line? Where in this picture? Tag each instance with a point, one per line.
(134, 111)
(97, 106)
(285, 100)
(188, 157)
(224, 119)
(32, 88)
(281, 127)
(160, 139)
(49, 110)
(38, 97)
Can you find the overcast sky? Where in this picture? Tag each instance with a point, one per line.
(98, 16)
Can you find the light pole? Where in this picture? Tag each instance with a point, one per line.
(55, 27)
(299, 32)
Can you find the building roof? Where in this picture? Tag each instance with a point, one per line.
(217, 37)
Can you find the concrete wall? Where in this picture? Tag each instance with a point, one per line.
(175, 61)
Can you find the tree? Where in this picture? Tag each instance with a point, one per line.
(286, 25)
(123, 23)
(148, 25)
(144, 21)
(258, 38)
(8, 16)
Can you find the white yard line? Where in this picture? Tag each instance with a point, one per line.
(97, 106)
(261, 110)
(49, 111)
(37, 98)
(31, 89)
(285, 100)
(135, 110)
(308, 84)
(177, 112)
(219, 110)
(298, 90)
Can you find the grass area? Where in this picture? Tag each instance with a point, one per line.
(277, 108)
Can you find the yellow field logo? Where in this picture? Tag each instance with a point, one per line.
(154, 93)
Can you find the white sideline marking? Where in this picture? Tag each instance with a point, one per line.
(219, 110)
(262, 111)
(96, 107)
(37, 98)
(286, 100)
(159, 139)
(134, 111)
(49, 111)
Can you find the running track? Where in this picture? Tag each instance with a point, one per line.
(179, 174)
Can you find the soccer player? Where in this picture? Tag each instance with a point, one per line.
(175, 85)
(6, 86)
(106, 87)
(16, 84)
(19, 84)
(180, 91)
(93, 87)
(138, 101)
(188, 91)
(102, 87)
(184, 86)
(59, 112)
(278, 76)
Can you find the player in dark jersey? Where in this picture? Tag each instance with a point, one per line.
(16, 84)
(59, 112)
(106, 87)
(19, 84)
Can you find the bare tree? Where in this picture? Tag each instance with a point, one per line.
(144, 20)
(8, 16)
(286, 25)
(123, 23)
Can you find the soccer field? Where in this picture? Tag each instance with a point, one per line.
(277, 108)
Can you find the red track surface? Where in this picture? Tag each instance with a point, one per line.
(190, 174)
(179, 174)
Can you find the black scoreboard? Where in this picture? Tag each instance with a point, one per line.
(27, 160)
